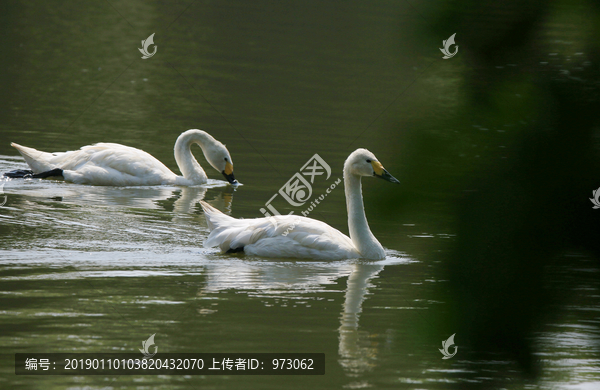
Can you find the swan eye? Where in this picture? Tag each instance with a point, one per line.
(369, 161)
(225, 158)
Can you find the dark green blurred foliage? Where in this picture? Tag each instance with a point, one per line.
(530, 105)
(520, 218)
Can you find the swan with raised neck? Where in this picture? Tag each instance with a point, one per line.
(363, 239)
(302, 237)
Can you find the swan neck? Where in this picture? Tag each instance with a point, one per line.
(187, 163)
(360, 233)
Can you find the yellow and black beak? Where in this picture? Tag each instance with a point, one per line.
(379, 171)
(228, 173)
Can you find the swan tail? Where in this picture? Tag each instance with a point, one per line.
(226, 232)
(214, 217)
(37, 161)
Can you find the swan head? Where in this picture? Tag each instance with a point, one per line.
(218, 156)
(364, 163)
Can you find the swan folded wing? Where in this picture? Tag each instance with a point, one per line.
(285, 236)
(324, 245)
(122, 158)
(321, 237)
(112, 164)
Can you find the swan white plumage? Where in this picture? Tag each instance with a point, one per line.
(112, 164)
(302, 237)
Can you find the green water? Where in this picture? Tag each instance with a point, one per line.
(100, 269)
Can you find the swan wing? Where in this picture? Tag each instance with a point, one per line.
(115, 164)
(277, 236)
(115, 156)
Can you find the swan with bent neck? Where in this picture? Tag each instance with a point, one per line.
(112, 164)
(302, 237)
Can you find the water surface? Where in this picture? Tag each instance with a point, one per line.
(99, 269)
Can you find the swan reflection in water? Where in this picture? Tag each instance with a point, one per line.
(285, 280)
(184, 200)
(111, 218)
(187, 199)
(356, 353)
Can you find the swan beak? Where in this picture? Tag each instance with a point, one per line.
(386, 176)
(230, 178)
(228, 173)
(379, 171)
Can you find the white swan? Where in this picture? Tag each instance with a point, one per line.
(111, 164)
(301, 237)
